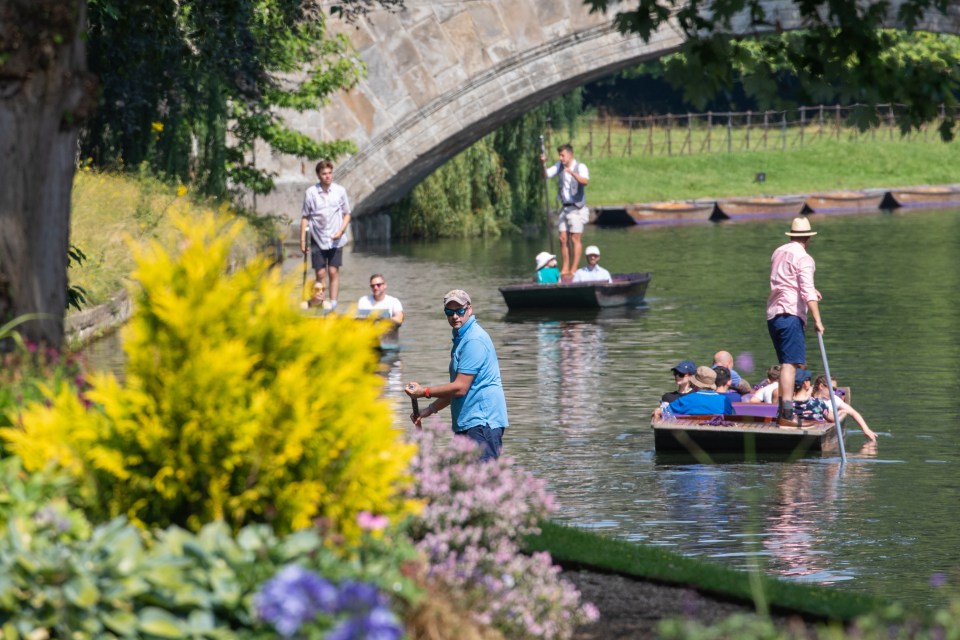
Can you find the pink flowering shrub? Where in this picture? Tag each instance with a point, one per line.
(470, 530)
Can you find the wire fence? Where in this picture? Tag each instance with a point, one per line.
(732, 132)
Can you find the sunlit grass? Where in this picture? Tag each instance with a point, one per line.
(854, 161)
(110, 208)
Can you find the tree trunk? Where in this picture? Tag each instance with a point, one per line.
(45, 93)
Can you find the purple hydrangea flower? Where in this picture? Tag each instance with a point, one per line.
(358, 597)
(378, 624)
(292, 597)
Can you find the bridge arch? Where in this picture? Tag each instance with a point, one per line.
(442, 74)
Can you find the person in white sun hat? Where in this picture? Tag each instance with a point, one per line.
(593, 272)
(547, 272)
(792, 293)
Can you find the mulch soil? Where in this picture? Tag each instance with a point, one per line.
(632, 608)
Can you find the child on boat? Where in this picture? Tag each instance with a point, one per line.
(547, 272)
(769, 391)
(821, 390)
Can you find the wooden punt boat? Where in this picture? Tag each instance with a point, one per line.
(927, 196)
(761, 207)
(626, 289)
(844, 201)
(695, 435)
(673, 212)
(652, 213)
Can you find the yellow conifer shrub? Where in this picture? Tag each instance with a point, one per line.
(234, 406)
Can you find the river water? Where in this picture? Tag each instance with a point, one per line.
(580, 389)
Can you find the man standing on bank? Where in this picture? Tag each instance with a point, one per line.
(326, 213)
(571, 194)
(475, 392)
(792, 292)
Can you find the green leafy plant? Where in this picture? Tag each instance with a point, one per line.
(234, 406)
(62, 577)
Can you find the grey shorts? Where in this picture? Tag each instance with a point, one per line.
(572, 219)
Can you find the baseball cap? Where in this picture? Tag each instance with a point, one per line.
(457, 295)
(592, 250)
(686, 367)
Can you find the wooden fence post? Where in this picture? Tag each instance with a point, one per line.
(783, 130)
(729, 132)
(803, 123)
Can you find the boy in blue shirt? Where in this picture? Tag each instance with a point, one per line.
(704, 400)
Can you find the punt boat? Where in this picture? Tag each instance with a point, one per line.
(761, 207)
(697, 435)
(626, 289)
(845, 201)
(927, 196)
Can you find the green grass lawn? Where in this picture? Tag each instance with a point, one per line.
(821, 165)
(575, 547)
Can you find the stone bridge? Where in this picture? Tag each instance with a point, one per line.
(444, 73)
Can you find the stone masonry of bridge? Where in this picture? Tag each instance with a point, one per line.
(444, 73)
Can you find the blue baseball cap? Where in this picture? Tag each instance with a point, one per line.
(686, 367)
(802, 376)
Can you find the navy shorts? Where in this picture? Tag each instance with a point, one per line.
(490, 441)
(323, 258)
(786, 331)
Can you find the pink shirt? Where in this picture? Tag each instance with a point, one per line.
(791, 281)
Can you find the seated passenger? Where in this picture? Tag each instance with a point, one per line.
(704, 400)
(682, 373)
(724, 381)
(805, 406)
(318, 292)
(820, 390)
(724, 359)
(378, 304)
(593, 272)
(769, 390)
(547, 272)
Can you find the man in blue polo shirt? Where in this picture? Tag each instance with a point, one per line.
(475, 392)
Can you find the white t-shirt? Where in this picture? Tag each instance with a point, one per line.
(386, 308)
(765, 393)
(597, 274)
(568, 186)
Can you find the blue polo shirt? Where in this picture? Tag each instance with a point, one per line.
(484, 404)
(701, 402)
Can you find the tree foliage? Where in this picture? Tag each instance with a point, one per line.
(189, 86)
(843, 51)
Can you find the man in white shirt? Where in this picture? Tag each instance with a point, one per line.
(571, 195)
(378, 304)
(326, 214)
(593, 272)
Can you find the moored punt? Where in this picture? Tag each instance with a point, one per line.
(927, 196)
(698, 435)
(844, 201)
(673, 212)
(626, 289)
(761, 207)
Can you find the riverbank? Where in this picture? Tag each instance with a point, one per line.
(822, 165)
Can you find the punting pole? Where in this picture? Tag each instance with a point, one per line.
(833, 400)
(546, 192)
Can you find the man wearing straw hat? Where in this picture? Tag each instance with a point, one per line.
(792, 293)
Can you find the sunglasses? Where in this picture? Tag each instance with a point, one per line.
(462, 311)
(377, 285)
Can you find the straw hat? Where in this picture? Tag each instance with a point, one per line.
(706, 378)
(800, 227)
(543, 258)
